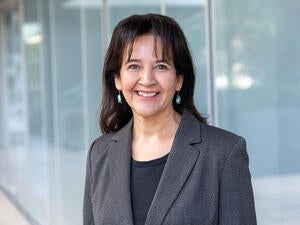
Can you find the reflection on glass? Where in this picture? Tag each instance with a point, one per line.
(53, 55)
(256, 81)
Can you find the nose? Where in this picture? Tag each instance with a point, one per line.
(147, 77)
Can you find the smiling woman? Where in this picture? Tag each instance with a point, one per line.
(147, 82)
(168, 47)
(248, 82)
(147, 167)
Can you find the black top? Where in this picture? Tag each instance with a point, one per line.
(145, 176)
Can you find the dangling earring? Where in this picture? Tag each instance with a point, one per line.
(119, 98)
(178, 99)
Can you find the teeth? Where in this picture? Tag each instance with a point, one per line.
(147, 94)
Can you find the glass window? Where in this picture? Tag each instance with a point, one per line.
(192, 19)
(51, 73)
(57, 48)
(50, 77)
(257, 84)
(2, 87)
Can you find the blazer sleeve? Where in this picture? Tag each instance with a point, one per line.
(236, 194)
(88, 218)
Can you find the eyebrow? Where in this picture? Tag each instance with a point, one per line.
(162, 61)
(156, 61)
(132, 60)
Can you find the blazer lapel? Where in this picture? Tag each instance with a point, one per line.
(119, 166)
(179, 165)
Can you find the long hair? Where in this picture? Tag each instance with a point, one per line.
(114, 116)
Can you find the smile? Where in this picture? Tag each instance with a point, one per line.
(147, 94)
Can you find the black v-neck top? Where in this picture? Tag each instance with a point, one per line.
(145, 176)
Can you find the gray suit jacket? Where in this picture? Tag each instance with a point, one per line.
(206, 180)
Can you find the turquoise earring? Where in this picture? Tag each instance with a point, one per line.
(178, 99)
(119, 98)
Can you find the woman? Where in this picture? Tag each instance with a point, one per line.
(158, 162)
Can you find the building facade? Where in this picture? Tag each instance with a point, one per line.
(246, 55)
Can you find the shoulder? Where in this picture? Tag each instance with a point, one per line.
(103, 140)
(218, 135)
(214, 141)
(222, 145)
(99, 147)
(209, 135)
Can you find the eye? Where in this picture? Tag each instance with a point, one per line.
(133, 67)
(161, 67)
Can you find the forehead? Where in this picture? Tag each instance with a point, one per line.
(148, 42)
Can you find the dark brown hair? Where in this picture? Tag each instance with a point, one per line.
(114, 116)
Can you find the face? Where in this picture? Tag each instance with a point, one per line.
(148, 82)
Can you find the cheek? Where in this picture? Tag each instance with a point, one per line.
(169, 83)
(128, 82)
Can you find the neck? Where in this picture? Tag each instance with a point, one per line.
(162, 127)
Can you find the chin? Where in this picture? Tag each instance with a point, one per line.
(151, 111)
(146, 112)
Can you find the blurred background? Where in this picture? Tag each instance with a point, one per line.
(246, 55)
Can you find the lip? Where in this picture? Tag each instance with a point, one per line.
(147, 94)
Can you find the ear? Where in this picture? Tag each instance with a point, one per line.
(118, 82)
(179, 82)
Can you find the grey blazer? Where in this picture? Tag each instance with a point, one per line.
(206, 180)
